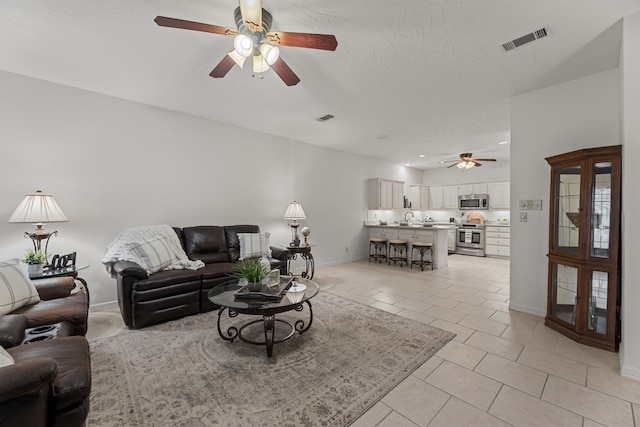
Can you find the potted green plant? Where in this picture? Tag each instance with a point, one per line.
(254, 270)
(35, 261)
(296, 240)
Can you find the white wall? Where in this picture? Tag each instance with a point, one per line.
(488, 172)
(112, 164)
(630, 65)
(578, 114)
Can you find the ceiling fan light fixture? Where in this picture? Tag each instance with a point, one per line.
(270, 53)
(243, 45)
(259, 64)
(237, 58)
(251, 11)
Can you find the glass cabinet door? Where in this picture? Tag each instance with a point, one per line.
(600, 210)
(566, 221)
(564, 292)
(598, 302)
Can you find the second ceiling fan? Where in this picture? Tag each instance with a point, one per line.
(254, 39)
(467, 161)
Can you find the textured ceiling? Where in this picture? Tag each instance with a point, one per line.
(409, 77)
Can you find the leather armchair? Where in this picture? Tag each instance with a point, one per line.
(49, 384)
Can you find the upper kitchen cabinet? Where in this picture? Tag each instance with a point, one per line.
(443, 197)
(584, 234)
(386, 194)
(419, 196)
(472, 189)
(498, 195)
(450, 197)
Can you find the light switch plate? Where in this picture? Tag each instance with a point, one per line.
(523, 204)
(523, 217)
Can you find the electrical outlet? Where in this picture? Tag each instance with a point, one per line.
(523, 217)
(535, 205)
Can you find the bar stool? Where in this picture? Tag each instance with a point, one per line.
(398, 246)
(422, 247)
(379, 246)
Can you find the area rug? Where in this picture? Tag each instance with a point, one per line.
(181, 373)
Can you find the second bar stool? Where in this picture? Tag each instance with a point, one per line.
(399, 252)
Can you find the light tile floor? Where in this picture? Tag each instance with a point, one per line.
(503, 367)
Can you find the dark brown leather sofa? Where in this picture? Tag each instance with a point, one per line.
(50, 382)
(147, 299)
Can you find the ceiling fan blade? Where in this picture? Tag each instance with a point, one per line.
(455, 164)
(164, 21)
(308, 40)
(285, 73)
(223, 67)
(477, 164)
(484, 160)
(251, 11)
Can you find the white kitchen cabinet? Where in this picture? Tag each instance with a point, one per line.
(451, 242)
(386, 194)
(419, 196)
(465, 189)
(498, 241)
(384, 232)
(499, 197)
(397, 195)
(435, 197)
(450, 197)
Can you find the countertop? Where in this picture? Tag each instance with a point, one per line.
(413, 226)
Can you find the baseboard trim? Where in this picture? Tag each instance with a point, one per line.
(528, 309)
(103, 306)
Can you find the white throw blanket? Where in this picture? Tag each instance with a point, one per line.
(126, 247)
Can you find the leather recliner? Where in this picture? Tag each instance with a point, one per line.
(147, 299)
(50, 382)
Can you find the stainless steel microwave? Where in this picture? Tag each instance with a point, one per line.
(468, 202)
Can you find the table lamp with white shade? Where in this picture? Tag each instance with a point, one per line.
(294, 212)
(38, 209)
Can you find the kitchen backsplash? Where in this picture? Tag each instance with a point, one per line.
(436, 216)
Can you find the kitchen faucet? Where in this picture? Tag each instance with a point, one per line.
(406, 213)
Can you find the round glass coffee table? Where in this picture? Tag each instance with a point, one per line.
(225, 296)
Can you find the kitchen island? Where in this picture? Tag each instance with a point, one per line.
(437, 235)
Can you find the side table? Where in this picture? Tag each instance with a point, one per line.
(306, 255)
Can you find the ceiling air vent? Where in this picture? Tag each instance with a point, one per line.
(325, 118)
(528, 38)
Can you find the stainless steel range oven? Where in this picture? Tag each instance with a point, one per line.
(470, 239)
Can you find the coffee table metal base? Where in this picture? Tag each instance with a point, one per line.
(269, 322)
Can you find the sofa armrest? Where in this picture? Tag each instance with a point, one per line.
(128, 268)
(12, 328)
(26, 377)
(54, 287)
(278, 253)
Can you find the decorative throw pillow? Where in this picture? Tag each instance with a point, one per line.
(5, 358)
(152, 254)
(16, 289)
(254, 245)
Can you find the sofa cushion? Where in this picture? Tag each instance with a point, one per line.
(231, 232)
(153, 254)
(16, 289)
(167, 278)
(219, 269)
(254, 245)
(5, 358)
(206, 243)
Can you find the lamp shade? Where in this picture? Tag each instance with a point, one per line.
(38, 208)
(294, 211)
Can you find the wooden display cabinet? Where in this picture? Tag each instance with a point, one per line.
(583, 300)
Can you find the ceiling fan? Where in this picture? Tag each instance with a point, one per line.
(254, 38)
(467, 161)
